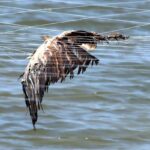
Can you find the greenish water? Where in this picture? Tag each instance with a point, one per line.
(107, 108)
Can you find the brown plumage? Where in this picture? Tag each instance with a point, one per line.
(56, 59)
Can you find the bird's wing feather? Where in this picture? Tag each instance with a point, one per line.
(53, 61)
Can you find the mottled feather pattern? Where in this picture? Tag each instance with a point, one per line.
(56, 59)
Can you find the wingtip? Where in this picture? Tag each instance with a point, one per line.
(117, 36)
(34, 128)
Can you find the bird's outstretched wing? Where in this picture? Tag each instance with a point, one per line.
(56, 59)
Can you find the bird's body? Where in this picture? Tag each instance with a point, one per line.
(56, 59)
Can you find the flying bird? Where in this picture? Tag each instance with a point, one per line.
(57, 58)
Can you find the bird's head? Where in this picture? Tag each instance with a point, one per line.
(46, 37)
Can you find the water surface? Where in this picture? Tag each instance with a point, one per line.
(107, 108)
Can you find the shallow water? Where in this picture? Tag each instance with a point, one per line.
(108, 107)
